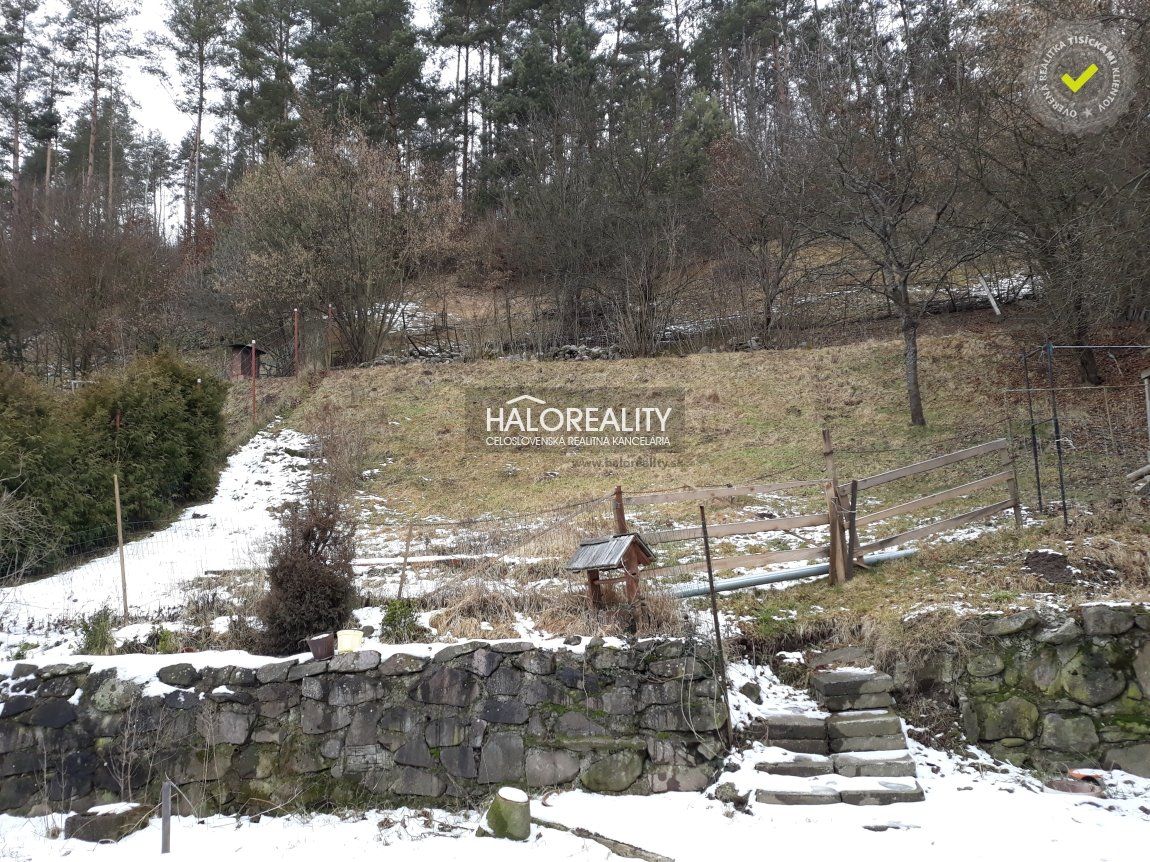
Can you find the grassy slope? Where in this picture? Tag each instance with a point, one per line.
(748, 415)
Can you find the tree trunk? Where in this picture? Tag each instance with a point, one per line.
(196, 156)
(1089, 365)
(910, 344)
(94, 112)
(111, 167)
(466, 98)
(1087, 362)
(17, 111)
(509, 815)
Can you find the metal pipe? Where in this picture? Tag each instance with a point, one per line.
(1057, 432)
(691, 591)
(715, 618)
(1033, 431)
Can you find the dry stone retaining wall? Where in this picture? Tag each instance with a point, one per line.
(1059, 691)
(360, 729)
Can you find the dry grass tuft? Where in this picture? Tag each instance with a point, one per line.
(488, 607)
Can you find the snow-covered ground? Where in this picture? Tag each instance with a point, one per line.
(228, 533)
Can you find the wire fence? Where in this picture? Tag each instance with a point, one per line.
(157, 567)
(1103, 437)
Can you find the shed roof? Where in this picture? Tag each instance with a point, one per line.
(607, 552)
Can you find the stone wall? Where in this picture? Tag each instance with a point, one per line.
(361, 730)
(1057, 691)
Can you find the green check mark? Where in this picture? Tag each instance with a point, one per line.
(1076, 84)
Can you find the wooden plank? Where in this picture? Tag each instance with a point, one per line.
(933, 499)
(718, 493)
(738, 528)
(937, 527)
(852, 529)
(747, 561)
(931, 464)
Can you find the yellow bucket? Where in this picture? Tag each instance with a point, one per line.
(348, 640)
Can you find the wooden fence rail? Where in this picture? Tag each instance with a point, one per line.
(738, 528)
(929, 500)
(720, 492)
(842, 516)
(931, 464)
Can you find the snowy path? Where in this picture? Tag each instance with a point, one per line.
(227, 533)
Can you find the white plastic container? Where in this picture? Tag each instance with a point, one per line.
(348, 640)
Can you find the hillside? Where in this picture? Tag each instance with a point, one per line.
(749, 415)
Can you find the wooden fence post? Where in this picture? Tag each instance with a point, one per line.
(120, 542)
(254, 368)
(852, 529)
(836, 505)
(715, 619)
(406, 552)
(1012, 482)
(620, 515)
(837, 551)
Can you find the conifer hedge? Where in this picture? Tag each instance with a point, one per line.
(157, 422)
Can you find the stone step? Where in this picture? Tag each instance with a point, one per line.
(867, 722)
(802, 746)
(850, 682)
(790, 726)
(868, 743)
(846, 703)
(814, 794)
(802, 766)
(885, 793)
(874, 764)
(784, 790)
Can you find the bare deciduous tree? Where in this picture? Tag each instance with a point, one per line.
(343, 226)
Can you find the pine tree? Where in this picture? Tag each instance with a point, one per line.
(97, 33)
(365, 65)
(45, 120)
(19, 54)
(266, 60)
(197, 37)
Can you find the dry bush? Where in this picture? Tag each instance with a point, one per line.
(342, 450)
(309, 572)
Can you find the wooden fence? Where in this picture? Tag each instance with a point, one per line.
(842, 515)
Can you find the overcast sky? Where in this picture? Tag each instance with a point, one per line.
(155, 98)
(156, 107)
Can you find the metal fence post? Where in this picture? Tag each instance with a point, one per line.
(1057, 431)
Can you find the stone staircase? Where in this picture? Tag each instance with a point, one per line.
(856, 754)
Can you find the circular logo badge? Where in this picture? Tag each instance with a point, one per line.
(1081, 79)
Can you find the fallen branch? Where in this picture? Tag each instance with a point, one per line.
(1138, 474)
(619, 848)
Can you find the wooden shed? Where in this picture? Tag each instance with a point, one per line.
(623, 553)
(240, 362)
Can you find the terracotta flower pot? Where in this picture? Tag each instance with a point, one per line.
(322, 646)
